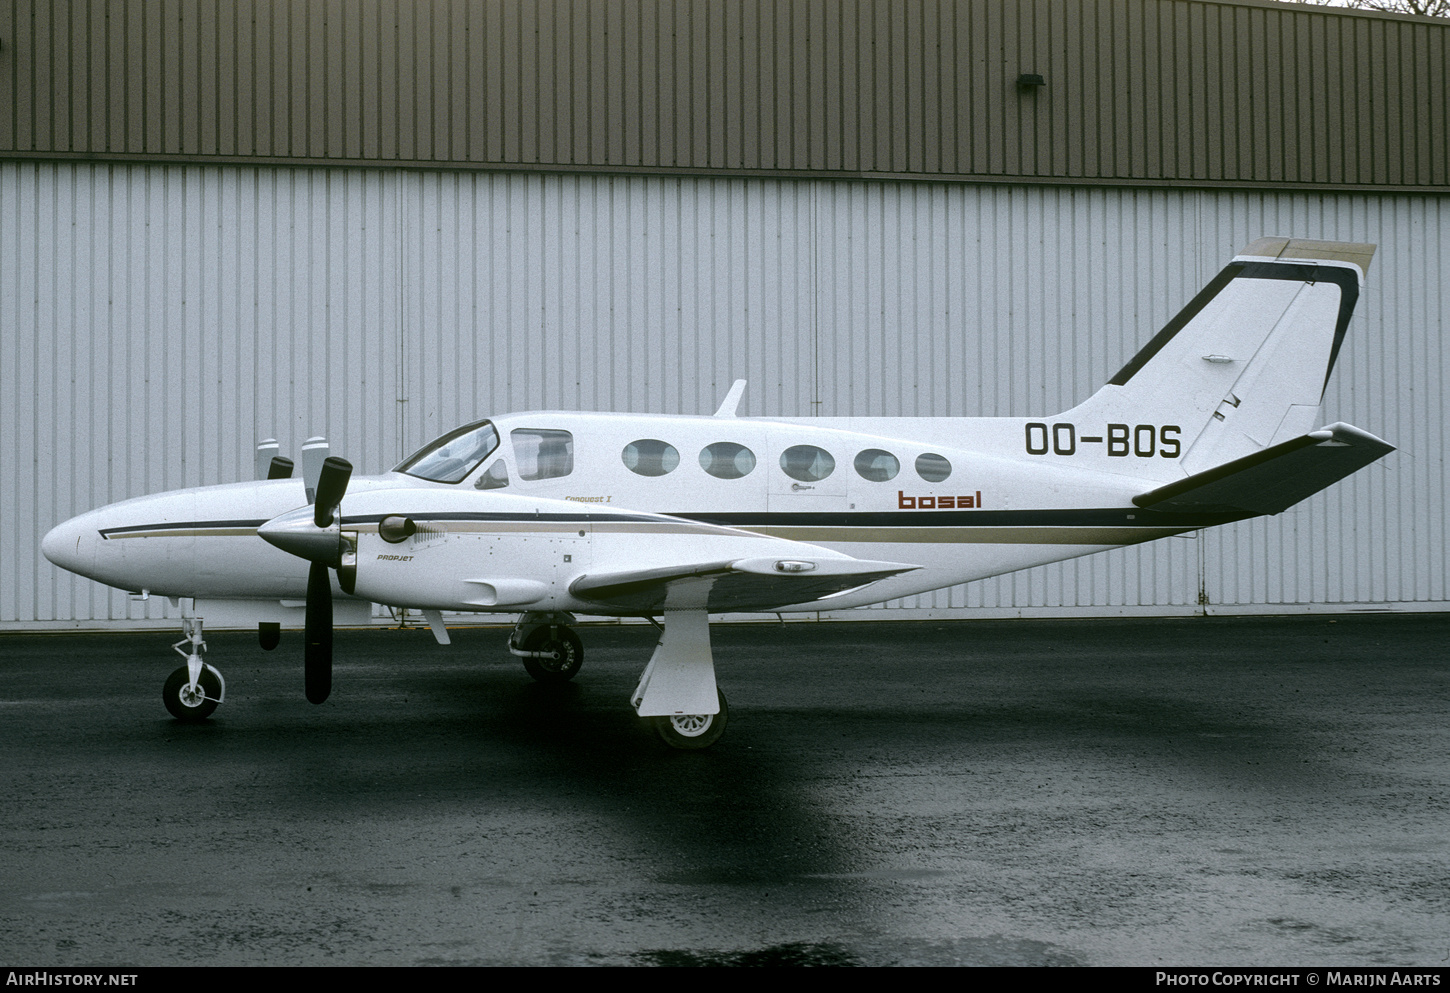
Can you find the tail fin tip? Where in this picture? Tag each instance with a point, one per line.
(1358, 253)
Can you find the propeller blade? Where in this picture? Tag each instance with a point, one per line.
(319, 634)
(314, 453)
(331, 486)
(266, 450)
(281, 468)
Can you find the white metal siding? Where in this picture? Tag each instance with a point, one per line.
(156, 321)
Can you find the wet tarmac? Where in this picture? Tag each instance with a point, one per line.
(1227, 791)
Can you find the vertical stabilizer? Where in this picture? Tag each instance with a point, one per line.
(1245, 364)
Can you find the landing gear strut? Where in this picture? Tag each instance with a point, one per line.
(677, 693)
(551, 651)
(192, 692)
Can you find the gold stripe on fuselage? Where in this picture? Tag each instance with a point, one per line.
(970, 535)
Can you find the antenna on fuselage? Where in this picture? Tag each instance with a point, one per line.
(732, 399)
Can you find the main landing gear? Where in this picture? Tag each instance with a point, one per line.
(676, 694)
(192, 692)
(551, 651)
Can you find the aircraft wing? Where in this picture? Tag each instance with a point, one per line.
(734, 585)
(1271, 481)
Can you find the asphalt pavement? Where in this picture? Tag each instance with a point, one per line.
(1228, 791)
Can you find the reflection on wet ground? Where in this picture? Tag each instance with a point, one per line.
(1223, 790)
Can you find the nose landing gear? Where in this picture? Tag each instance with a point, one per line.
(192, 692)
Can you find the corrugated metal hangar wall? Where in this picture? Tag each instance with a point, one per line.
(164, 308)
(162, 319)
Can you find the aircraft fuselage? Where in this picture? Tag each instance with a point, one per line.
(957, 512)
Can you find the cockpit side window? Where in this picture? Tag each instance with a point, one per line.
(494, 477)
(543, 453)
(451, 458)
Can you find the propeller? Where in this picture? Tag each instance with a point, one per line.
(315, 533)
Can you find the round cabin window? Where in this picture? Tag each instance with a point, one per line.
(877, 466)
(933, 468)
(807, 463)
(650, 457)
(727, 460)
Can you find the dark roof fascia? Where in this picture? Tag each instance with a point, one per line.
(995, 179)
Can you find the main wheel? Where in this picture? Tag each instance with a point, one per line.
(191, 705)
(693, 731)
(567, 648)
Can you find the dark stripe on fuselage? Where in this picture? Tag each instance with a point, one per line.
(1117, 517)
(1076, 517)
(1089, 517)
(510, 518)
(182, 526)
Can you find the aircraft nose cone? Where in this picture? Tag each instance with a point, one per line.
(297, 533)
(72, 546)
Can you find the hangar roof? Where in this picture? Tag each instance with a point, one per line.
(1235, 93)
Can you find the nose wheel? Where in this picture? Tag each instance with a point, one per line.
(192, 702)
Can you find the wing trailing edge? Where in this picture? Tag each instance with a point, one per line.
(735, 585)
(1273, 480)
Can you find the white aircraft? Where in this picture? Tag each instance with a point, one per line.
(547, 513)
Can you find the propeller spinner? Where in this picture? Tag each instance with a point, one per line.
(315, 533)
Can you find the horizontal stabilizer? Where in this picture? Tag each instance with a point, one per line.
(1271, 481)
(741, 584)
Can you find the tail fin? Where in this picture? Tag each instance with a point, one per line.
(1243, 367)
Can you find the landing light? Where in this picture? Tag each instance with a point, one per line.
(787, 565)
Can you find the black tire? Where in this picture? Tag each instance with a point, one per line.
(565, 643)
(171, 694)
(693, 732)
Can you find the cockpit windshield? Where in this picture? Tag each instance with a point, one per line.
(451, 458)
